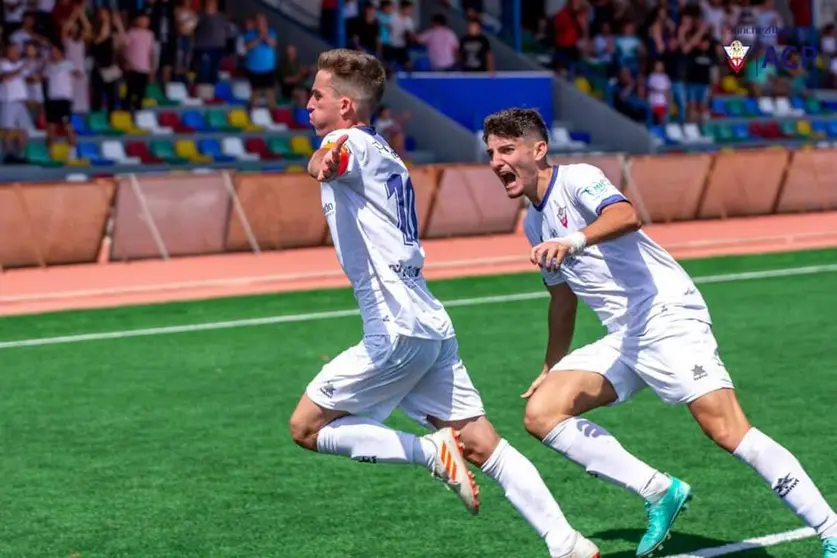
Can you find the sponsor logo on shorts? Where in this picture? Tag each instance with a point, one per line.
(328, 208)
(406, 271)
(698, 373)
(784, 485)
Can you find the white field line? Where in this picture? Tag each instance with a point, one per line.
(328, 315)
(750, 544)
(337, 273)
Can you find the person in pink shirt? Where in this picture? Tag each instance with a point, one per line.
(138, 50)
(442, 44)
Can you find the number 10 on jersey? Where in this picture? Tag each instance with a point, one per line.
(405, 199)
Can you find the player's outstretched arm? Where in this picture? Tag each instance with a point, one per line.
(614, 221)
(329, 161)
(563, 305)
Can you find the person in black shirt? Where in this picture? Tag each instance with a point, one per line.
(701, 61)
(676, 64)
(366, 32)
(475, 50)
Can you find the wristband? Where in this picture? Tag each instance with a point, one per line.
(577, 242)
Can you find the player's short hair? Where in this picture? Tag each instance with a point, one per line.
(515, 123)
(356, 75)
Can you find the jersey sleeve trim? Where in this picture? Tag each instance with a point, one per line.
(610, 200)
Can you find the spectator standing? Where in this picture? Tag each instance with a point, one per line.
(659, 92)
(403, 29)
(59, 74)
(161, 15)
(34, 78)
(366, 32)
(442, 44)
(209, 42)
(14, 114)
(260, 61)
(107, 36)
(291, 73)
(139, 61)
(75, 33)
(475, 50)
(699, 76)
(186, 19)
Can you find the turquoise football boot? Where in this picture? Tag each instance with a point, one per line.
(661, 516)
(829, 547)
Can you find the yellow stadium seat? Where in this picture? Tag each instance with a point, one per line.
(295, 168)
(60, 152)
(149, 102)
(124, 122)
(803, 128)
(302, 145)
(241, 120)
(188, 150)
(583, 85)
(729, 84)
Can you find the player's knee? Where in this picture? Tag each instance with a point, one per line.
(303, 432)
(540, 419)
(480, 440)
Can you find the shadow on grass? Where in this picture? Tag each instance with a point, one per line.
(680, 543)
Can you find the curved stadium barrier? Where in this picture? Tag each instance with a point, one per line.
(167, 216)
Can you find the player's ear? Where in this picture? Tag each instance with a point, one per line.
(540, 149)
(345, 106)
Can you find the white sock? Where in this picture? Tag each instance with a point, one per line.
(370, 441)
(530, 496)
(788, 480)
(601, 455)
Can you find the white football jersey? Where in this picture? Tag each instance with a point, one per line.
(371, 212)
(624, 281)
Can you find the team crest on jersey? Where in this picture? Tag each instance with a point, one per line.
(562, 216)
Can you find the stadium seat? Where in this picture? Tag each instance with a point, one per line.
(177, 92)
(163, 150)
(735, 107)
(122, 121)
(766, 105)
(212, 149)
(90, 151)
(259, 147)
(61, 153)
(819, 129)
(813, 106)
(37, 154)
(216, 120)
(194, 121)
(723, 132)
(740, 132)
(674, 132)
(156, 94)
(241, 90)
(832, 129)
(187, 149)
(302, 145)
(147, 120)
(98, 123)
(140, 150)
(788, 128)
(233, 147)
(115, 151)
(173, 121)
(803, 128)
(224, 94)
(691, 134)
(261, 117)
(239, 119)
(283, 115)
(771, 130)
(751, 107)
(718, 108)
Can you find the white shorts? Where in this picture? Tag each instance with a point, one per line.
(422, 377)
(14, 115)
(677, 358)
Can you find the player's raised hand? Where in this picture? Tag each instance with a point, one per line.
(550, 254)
(331, 161)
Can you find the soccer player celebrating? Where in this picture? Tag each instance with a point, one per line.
(585, 237)
(408, 357)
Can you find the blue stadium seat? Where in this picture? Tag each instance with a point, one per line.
(751, 107)
(832, 129)
(79, 125)
(212, 148)
(719, 108)
(741, 132)
(90, 151)
(194, 119)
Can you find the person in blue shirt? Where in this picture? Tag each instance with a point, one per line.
(260, 61)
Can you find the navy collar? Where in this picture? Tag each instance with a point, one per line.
(553, 178)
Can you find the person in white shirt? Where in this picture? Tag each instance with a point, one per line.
(402, 34)
(34, 78)
(586, 238)
(59, 75)
(14, 114)
(659, 92)
(408, 357)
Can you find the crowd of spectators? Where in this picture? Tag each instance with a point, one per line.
(63, 57)
(663, 60)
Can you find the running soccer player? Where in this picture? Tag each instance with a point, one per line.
(408, 357)
(585, 237)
